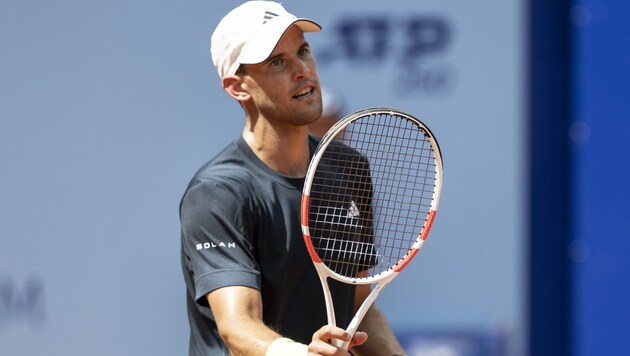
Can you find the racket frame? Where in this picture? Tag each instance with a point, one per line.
(382, 279)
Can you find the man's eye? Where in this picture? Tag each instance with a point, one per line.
(276, 62)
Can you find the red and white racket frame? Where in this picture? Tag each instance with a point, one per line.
(381, 280)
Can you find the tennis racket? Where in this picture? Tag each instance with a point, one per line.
(370, 196)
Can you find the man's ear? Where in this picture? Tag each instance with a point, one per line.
(233, 85)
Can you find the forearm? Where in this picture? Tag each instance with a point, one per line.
(238, 314)
(381, 340)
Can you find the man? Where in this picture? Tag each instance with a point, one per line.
(252, 289)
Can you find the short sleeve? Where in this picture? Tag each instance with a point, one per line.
(217, 251)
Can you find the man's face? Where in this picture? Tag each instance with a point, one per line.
(285, 87)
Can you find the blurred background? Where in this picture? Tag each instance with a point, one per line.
(107, 108)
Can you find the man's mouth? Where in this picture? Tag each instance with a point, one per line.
(305, 92)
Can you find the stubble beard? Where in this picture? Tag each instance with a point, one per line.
(294, 116)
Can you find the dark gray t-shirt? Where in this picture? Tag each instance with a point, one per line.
(241, 227)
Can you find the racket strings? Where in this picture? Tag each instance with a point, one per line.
(371, 194)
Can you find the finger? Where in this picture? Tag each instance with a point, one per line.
(329, 332)
(319, 347)
(326, 340)
(359, 338)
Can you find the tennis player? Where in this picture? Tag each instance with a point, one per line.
(251, 286)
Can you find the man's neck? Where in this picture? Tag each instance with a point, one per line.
(285, 152)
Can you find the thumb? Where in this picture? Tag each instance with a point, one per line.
(359, 338)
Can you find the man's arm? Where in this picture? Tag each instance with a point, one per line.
(238, 313)
(381, 341)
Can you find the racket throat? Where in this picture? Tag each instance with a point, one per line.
(330, 310)
(363, 309)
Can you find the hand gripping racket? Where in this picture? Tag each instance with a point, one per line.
(370, 196)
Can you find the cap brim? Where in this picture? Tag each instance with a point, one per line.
(267, 41)
(308, 25)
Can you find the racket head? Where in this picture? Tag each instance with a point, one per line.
(371, 193)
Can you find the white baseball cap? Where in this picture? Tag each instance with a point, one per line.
(249, 33)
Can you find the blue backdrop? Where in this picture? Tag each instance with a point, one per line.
(600, 133)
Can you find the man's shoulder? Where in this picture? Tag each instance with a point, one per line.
(233, 174)
(229, 162)
(225, 183)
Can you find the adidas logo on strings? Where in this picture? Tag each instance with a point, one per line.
(353, 211)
